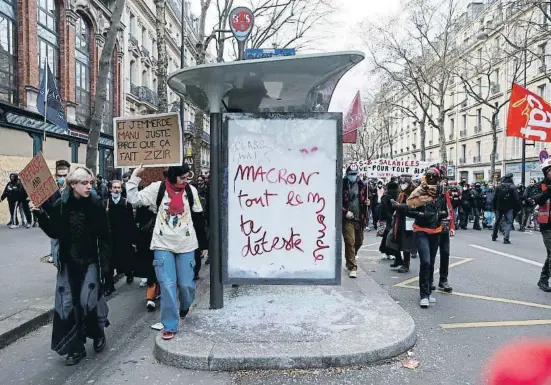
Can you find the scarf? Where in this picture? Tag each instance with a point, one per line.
(421, 196)
(176, 195)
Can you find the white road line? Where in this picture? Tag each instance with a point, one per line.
(372, 244)
(521, 259)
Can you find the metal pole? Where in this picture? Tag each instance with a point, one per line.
(183, 55)
(216, 287)
(523, 162)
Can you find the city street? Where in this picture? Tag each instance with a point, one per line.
(495, 300)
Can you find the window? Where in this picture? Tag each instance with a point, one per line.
(478, 149)
(82, 74)
(541, 91)
(463, 151)
(74, 151)
(452, 127)
(496, 77)
(465, 122)
(541, 54)
(108, 110)
(479, 87)
(479, 55)
(8, 52)
(479, 118)
(133, 72)
(132, 25)
(450, 157)
(48, 36)
(430, 156)
(145, 79)
(144, 37)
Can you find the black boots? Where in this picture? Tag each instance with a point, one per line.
(544, 286)
(74, 358)
(445, 287)
(99, 344)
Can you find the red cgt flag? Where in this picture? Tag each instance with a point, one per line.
(529, 116)
(353, 120)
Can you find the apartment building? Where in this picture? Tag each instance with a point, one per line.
(467, 128)
(70, 36)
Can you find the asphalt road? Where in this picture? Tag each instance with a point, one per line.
(454, 338)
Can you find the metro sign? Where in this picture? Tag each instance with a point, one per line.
(241, 22)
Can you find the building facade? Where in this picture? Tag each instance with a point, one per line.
(69, 36)
(467, 128)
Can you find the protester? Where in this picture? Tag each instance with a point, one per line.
(354, 208)
(506, 204)
(375, 199)
(544, 211)
(427, 205)
(465, 206)
(101, 188)
(448, 231)
(122, 227)
(528, 203)
(203, 191)
(15, 193)
(79, 222)
(125, 178)
(488, 221)
(178, 231)
(386, 213)
(478, 202)
(402, 236)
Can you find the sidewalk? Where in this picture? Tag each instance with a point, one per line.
(283, 327)
(27, 283)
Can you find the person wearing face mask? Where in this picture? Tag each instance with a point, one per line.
(354, 209)
(401, 238)
(122, 227)
(386, 213)
(529, 203)
(448, 231)
(506, 204)
(465, 206)
(375, 199)
(488, 221)
(478, 204)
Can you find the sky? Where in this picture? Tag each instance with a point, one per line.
(346, 37)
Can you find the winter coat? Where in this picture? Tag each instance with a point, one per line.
(489, 199)
(362, 190)
(122, 228)
(14, 190)
(478, 199)
(501, 202)
(402, 239)
(428, 213)
(529, 195)
(96, 244)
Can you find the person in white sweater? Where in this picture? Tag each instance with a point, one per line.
(178, 231)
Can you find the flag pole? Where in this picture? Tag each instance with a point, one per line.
(45, 97)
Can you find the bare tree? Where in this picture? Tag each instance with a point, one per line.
(162, 60)
(479, 73)
(100, 98)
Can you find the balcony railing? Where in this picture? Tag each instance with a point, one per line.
(148, 96)
(450, 137)
(477, 129)
(495, 88)
(206, 137)
(476, 159)
(135, 90)
(145, 51)
(462, 161)
(463, 133)
(133, 40)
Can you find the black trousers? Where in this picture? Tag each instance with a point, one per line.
(464, 217)
(476, 212)
(444, 245)
(375, 215)
(427, 247)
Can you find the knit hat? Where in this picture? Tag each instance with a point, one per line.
(352, 169)
(527, 362)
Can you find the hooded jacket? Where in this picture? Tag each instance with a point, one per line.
(362, 191)
(14, 190)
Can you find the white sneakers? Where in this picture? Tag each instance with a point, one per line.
(143, 282)
(425, 302)
(352, 274)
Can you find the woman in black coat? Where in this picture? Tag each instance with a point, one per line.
(386, 213)
(78, 220)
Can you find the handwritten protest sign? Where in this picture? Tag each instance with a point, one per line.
(387, 168)
(151, 140)
(38, 180)
(281, 197)
(152, 174)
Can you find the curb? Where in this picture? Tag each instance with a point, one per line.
(30, 319)
(394, 335)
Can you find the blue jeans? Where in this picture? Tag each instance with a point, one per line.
(427, 247)
(175, 275)
(507, 216)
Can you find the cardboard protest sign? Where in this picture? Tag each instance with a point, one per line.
(387, 168)
(38, 180)
(152, 174)
(151, 140)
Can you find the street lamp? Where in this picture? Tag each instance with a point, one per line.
(483, 36)
(183, 56)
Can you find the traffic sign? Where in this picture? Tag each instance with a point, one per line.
(241, 22)
(262, 53)
(543, 155)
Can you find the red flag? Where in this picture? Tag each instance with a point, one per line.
(353, 120)
(529, 116)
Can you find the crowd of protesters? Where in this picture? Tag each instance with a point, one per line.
(101, 230)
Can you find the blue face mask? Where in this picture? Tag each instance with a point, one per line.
(116, 195)
(353, 178)
(60, 180)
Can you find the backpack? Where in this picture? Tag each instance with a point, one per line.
(504, 193)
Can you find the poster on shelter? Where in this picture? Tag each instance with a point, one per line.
(150, 140)
(38, 180)
(282, 205)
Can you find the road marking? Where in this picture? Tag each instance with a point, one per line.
(415, 279)
(370, 244)
(462, 325)
(521, 259)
